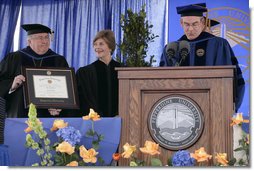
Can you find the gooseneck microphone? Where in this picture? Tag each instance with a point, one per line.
(184, 50)
(171, 51)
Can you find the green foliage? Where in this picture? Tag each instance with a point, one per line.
(101, 161)
(48, 154)
(97, 138)
(136, 37)
(137, 162)
(170, 161)
(232, 162)
(41, 142)
(243, 146)
(156, 162)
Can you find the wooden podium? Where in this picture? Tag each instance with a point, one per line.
(210, 87)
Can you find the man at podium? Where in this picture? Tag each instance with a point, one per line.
(200, 48)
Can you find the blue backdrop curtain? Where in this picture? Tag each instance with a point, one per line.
(9, 11)
(156, 13)
(74, 22)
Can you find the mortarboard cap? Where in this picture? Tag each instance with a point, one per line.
(36, 28)
(212, 23)
(192, 10)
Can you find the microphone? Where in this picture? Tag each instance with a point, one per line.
(184, 50)
(171, 51)
(162, 63)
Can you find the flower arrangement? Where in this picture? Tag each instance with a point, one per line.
(66, 151)
(183, 157)
(243, 142)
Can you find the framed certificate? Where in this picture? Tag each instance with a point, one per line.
(50, 88)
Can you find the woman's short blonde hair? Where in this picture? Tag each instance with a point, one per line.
(109, 37)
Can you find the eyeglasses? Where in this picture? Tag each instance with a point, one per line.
(193, 25)
(40, 37)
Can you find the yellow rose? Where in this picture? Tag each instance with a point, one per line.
(65, 147)
(92, 115)
(128, 150)
(88, 155)
(73, 163)
(238, 119)
(150, 148)
(222, 158)
(58, 123)
(200, 155)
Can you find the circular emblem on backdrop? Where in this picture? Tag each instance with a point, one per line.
(235, 27)
(175, 122)
(200, 52)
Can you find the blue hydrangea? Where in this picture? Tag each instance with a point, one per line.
(69, 134)
(182, 158)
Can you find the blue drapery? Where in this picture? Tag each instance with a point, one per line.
(9, 11)
(76, 23)
(156, 13)
(4, 155)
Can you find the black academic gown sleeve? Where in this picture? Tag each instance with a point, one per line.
(87, 89)
(8, 70)
(10, 67)
(239, 82)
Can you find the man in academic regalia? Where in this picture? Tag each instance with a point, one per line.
(205, 48)
(36, 54)
(97, 82)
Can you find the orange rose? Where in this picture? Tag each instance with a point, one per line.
(128, 150)
(92, 115)
(222, 158)
(116, 156)
(58, 123)
(73, 163)
(238, 119)
(150, 148)
(65, 147)
(200, 155)
(88, 155)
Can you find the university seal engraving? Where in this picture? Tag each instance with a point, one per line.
(175, 122)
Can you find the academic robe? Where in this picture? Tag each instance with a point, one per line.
(98, 88)
(210, 50)
(11, 66)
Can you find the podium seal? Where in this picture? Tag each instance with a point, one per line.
(176, 122)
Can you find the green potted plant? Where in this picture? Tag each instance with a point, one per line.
(136, 37)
